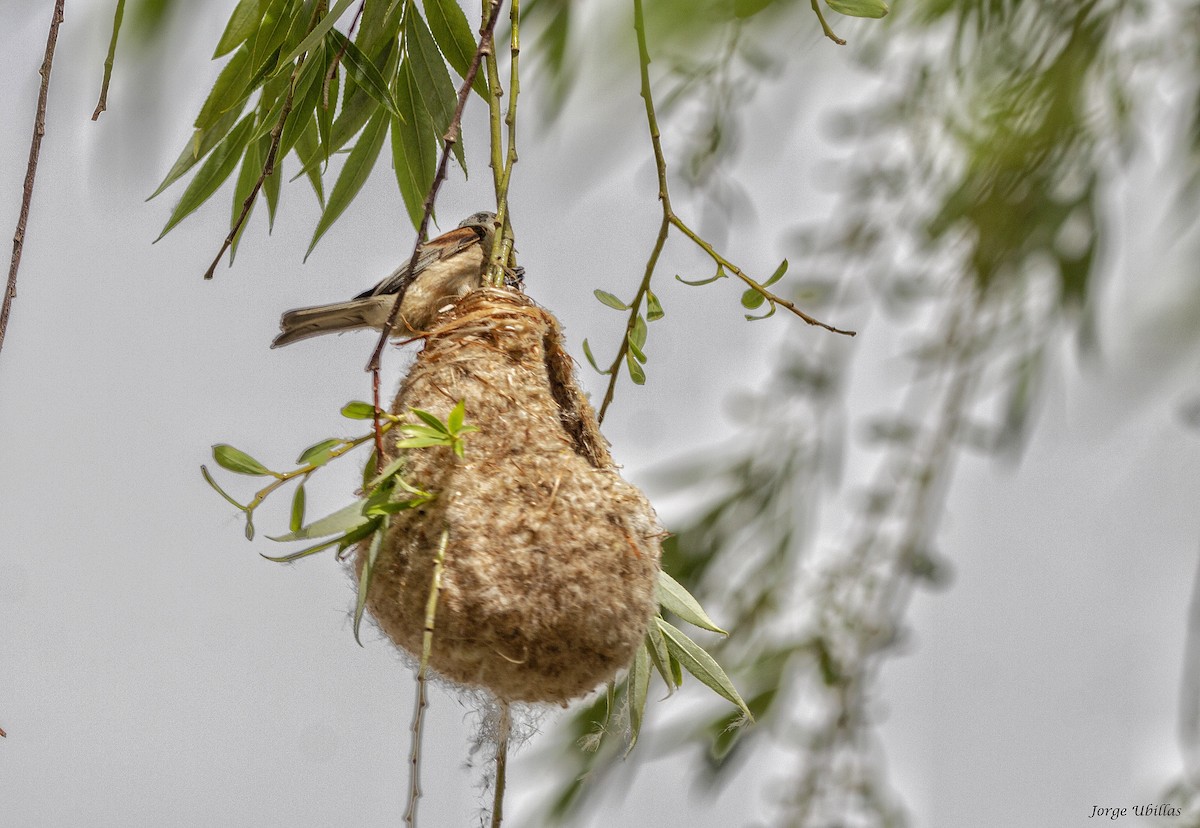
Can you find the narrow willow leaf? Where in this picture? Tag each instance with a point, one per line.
(635, 370)
(318, 453)
(433, 81)
(252, 166)
(242, 24)
(458, 414)
(423, 441)
(608, 299)
(303, 553)
(453, 35)
(271, 187)
(343, 520)
(423, 431)
(767, 315)
(639, 685)
(219, 166)
(236, 460)
(358, 410)
(364, 72)
(249, 525)
(778, 274)
(752, 299)
(637, 352)
(296, 520)
(353, 175)
(208, 478)
(638, 334)
(305, 99)
(859, 8)
(654, 310)
(672, 596)
(656, 647)
(587, 352)
(692, 657)
(369, 468)
(270, 106)
(364, 580)
(231, 87)
(430, 420)
(309, 152)
(394, 506)
(317, 34)
(200, 144)
(414, 145)
(720, 274)
(270, 36)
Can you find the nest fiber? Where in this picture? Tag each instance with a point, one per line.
(551, 564)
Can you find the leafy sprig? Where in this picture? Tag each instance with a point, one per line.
(383, 494)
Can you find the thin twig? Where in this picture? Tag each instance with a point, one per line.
(448, 141)
(269, 165)
(671, 219)
(503, 731)
(502, 243)
(102, 104)
(35, 149)
(435, 591)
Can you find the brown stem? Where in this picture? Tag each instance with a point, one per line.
(35, 149)
(448, 141)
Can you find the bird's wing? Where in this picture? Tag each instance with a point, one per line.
(443, 247)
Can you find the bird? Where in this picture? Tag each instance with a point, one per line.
(447, 267)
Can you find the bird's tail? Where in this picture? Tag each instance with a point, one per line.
(341, 316)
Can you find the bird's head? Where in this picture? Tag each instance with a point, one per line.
(483, 221)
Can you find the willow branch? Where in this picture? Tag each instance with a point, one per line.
(504, 730)
(102, 104)
(269, 166)
(671, 219)
(418, 725)
(502, 243)
(35, 149)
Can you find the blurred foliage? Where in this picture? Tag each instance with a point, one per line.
(972, 210)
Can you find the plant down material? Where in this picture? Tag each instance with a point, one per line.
(552, 559)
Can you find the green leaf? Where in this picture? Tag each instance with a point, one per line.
(587, 352)
(673, 597)
(368, 471)
(318, 453)
(343, 520)
(353, 175)
(270, 36)
(231, 87)
(654, 310)
(778, 274)
(430, 420)
(752, 299)
(209, 479)
(249, 525)
(242, 23)
(692, 657)
(219, 166)
(608, 299)
(453, 35)
(639, 686)
(252, 166)
(364, 72)
(297, 517)
(635, 370)
(424, 441)
(364, 581)
(271, 186)
(638, 335)
(317, 34)
(433, 81)
(199, 145)
(414, 145)
(637, 352)
(308, 150)
(304, 553)
(656, 646)
(236, 460)
(859, 8)
(767, 315)
(458, 414)
(358, 410)
(720, 274)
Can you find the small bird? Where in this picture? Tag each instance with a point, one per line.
(447, 267)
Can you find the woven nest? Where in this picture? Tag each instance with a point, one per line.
(550, 569)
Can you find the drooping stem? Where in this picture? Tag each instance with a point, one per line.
(503, 731)
(418, 724)
(502, 244)
(102, 104)
(35, 149)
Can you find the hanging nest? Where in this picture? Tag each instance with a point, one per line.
(551, 562)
